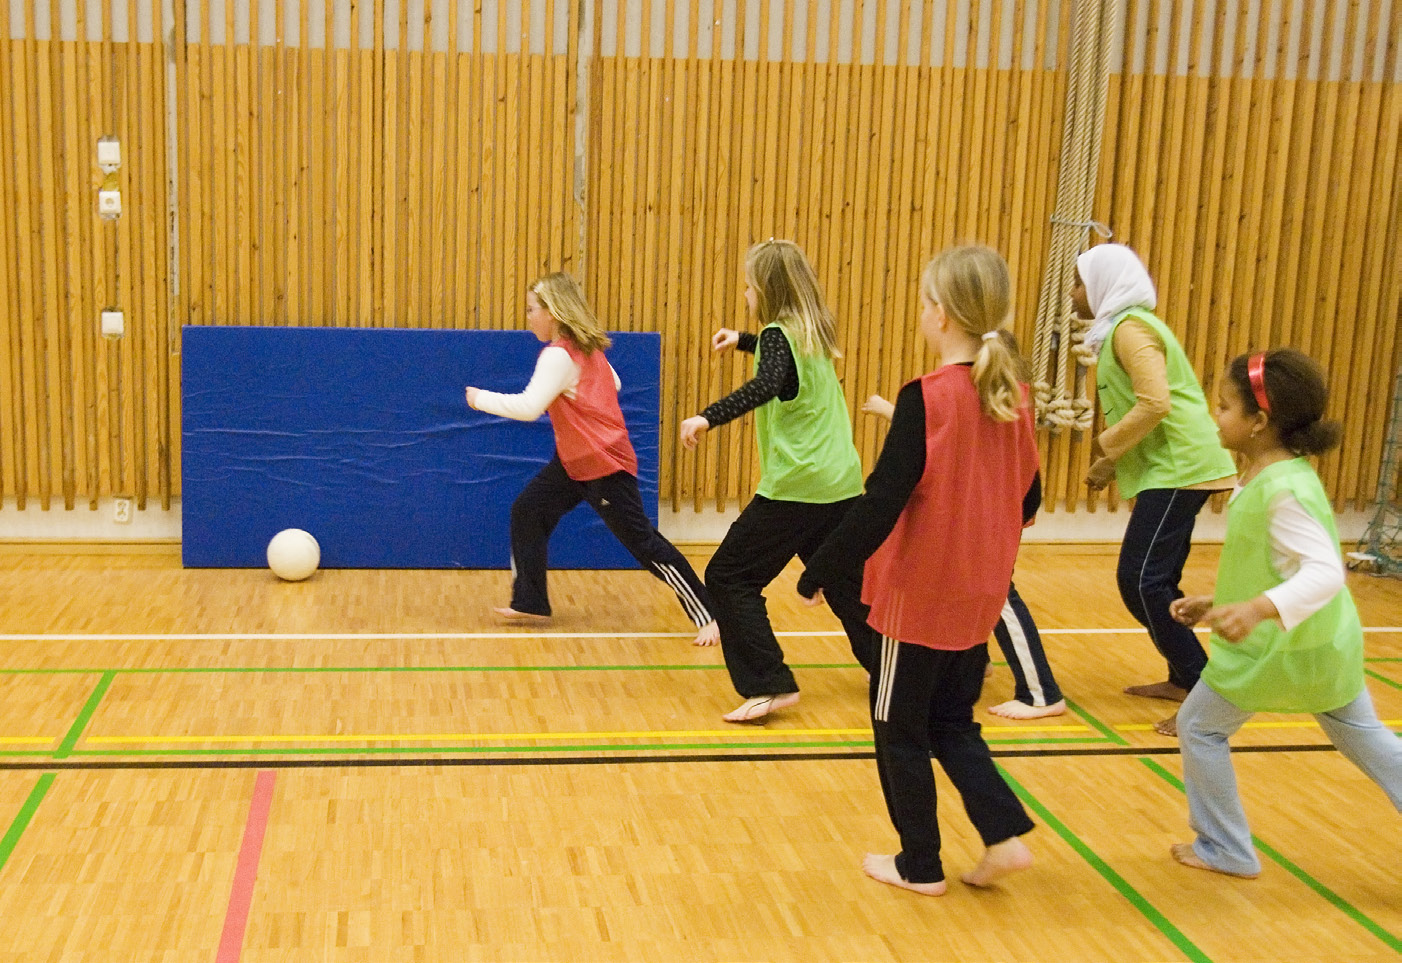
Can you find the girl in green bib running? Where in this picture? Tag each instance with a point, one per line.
(1285, 633)
(1158, 445)
(810, 473)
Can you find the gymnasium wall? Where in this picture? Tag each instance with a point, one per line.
(421, 168)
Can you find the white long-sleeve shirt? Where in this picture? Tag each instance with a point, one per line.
(555, 374)
(1306, 556)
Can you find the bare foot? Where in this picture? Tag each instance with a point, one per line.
(883, 869)
(1012, 709)
(508, 614)
(1167, 727)
(998, 861)
(1158, 690)
(757, 709)
(709, 634)
(1183, 852)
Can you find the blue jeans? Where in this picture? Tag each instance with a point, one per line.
(1156, 544)
(1206, 721)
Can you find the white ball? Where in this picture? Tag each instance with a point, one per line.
(293, 554)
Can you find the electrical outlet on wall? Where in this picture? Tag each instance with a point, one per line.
(121, 510)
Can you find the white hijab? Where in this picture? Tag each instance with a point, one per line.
(1115, 280)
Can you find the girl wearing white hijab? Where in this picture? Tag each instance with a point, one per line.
(1160, 444)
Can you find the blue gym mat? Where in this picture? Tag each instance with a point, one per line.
(363, 437)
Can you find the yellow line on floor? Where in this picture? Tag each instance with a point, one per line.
(1294, 724)
(515, 736)
(26, 740)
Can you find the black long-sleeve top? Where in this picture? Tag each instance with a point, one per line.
(777, 377)
(898, 470)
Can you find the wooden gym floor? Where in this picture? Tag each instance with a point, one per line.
(216, 766)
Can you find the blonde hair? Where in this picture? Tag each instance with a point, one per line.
(562, 296)
(787, 293)
(972, 284)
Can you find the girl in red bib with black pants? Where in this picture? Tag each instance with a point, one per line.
(594, 459)
(939, 525)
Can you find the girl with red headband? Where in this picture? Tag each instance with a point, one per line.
(1286, 635)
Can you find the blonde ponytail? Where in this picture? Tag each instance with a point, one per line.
(995, 376)
(974, 288)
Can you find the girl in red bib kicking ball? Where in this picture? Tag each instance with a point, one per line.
(594, 459)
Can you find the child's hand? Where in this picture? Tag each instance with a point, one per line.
(1234, 622)
(1102, 473)
(1190, 609)
(692, 430)
(877, 405)
(724, 339)
(472, 397)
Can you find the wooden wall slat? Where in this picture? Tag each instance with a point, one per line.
(341, 233)
(675, 180)
(151, 351)
(76, 292)
(122, 351)
(48, 324)
(10, 243)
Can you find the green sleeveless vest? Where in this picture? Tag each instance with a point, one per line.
(805, 445)
(1314, 667)
(1183, 448)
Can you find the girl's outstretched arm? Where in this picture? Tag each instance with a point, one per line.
(777, 377)
(1305, 554)
(555, 373)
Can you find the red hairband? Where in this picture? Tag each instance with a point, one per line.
(1256, 374)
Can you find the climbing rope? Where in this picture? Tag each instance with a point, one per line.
(1058, 351)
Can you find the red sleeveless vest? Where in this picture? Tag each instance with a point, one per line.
(941, 577)
(590, 435)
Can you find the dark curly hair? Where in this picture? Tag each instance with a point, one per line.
(1296, 392)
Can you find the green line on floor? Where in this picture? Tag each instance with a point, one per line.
(1382, 678)
(21, 820)
(1104, 730)
(1341, 904)
(1160, 921)
(75, 732)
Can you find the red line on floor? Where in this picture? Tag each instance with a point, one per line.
(246, 873)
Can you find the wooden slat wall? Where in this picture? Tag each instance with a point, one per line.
(1265, 203)
(425, 184)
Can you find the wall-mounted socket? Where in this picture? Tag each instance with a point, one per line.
(113, 324)
(109, 154)
(109, 204)
(121, 510)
